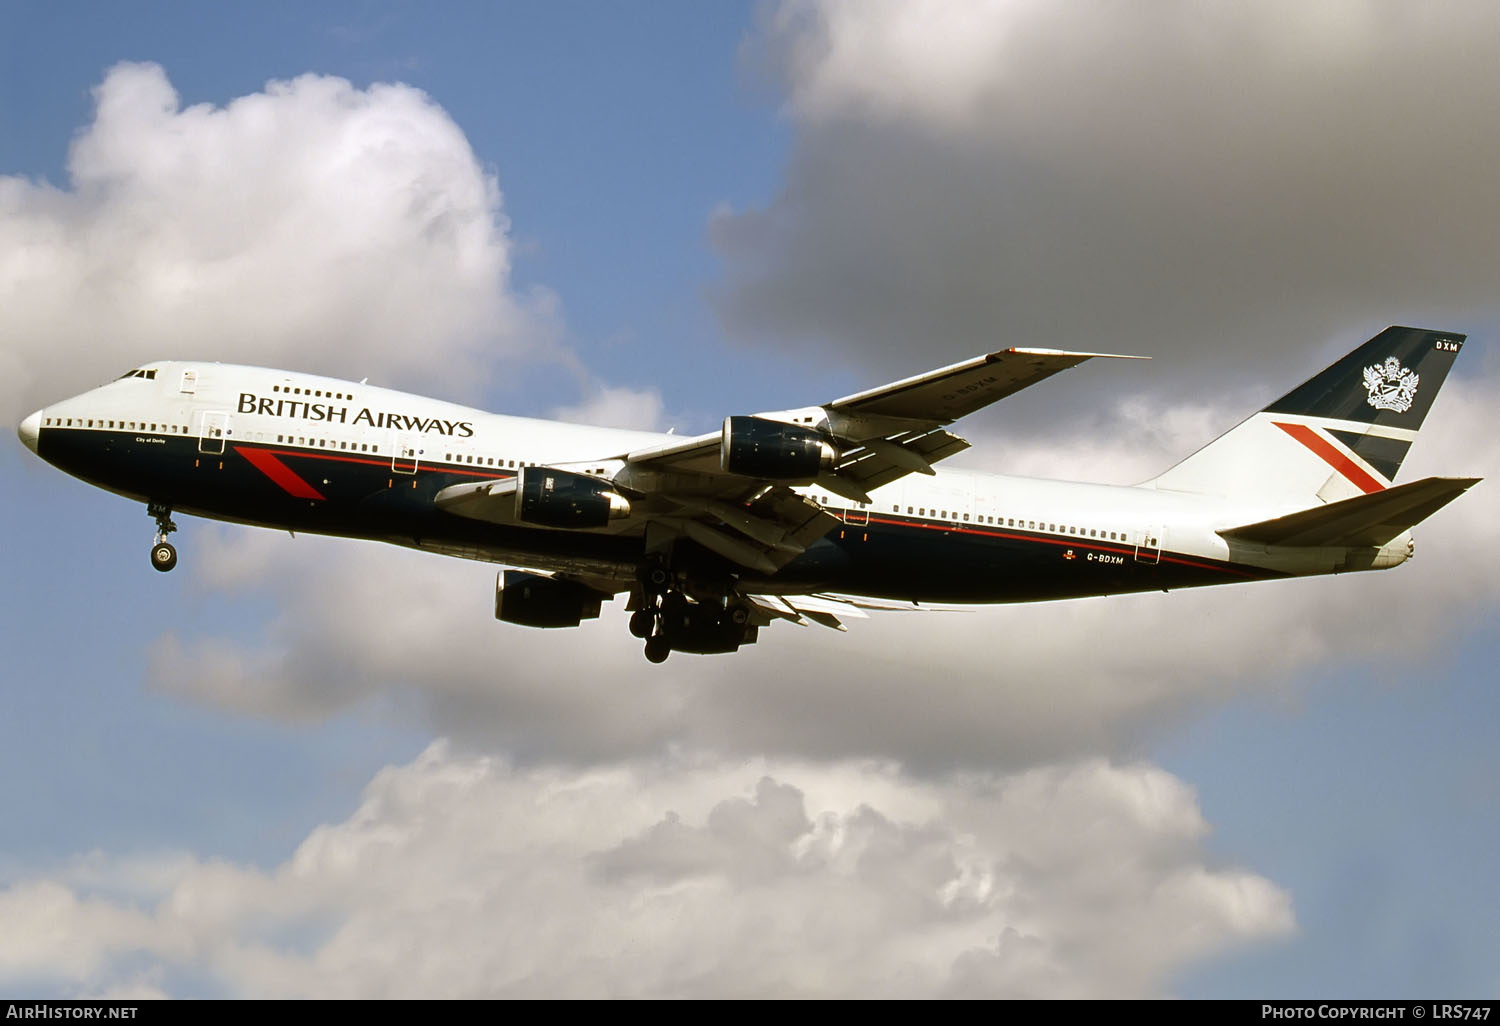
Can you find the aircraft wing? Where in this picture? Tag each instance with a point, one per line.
(948, 393)
(884, 433)
(750, 522)
(732, 490)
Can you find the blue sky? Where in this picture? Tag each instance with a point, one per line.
(712, 209)
(1373, 802)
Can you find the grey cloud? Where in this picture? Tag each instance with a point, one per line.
(1237, 184)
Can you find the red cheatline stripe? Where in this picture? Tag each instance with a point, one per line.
(425, 466)
(279, 472)
(1338, 461)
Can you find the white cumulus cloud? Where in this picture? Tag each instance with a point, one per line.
(312, 225)
(617, 407)
(464, 876)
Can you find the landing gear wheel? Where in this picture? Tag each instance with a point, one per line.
(163, 556)
(641, 622)
(657, 648)
(739, 615)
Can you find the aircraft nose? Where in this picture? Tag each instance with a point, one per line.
(30, 430)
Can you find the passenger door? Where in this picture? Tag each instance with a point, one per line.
(212, 429)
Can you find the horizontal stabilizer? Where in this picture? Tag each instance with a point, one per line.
(1371, 520)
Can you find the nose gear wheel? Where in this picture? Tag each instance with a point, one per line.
(163, 554)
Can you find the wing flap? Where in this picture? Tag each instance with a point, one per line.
(878, 462)
(1365, 520)
(800, 609)
(804, 520)
(766, 535)
(826, 609)
(493, 501)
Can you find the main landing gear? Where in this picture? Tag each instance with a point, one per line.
(646, 622)
(658, 648)
(163, 555)
(668, 620)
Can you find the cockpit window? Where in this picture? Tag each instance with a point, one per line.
(138, 373)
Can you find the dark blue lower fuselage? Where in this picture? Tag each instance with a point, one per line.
(364, 495)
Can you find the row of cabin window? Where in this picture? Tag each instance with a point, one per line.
(316, 393)
(323, 443)
(127, 425)
(497, 461)
(482, 461)
(1029, 525)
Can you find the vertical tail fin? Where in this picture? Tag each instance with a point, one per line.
(1342, 433)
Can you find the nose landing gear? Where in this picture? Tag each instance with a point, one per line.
(163, 555)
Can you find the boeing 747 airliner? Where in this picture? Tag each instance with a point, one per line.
(812, 514)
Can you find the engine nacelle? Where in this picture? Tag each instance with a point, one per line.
(770, 449)
(534, 600)
(559, 498)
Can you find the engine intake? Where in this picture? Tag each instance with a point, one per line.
(560, 498)
(534, 600)
(770, 449)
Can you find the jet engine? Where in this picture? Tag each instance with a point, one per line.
(558, 498)
(773, 450)
(534, 600)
